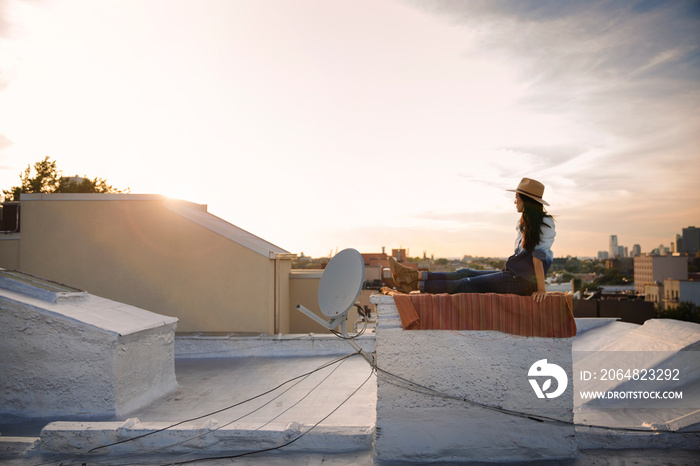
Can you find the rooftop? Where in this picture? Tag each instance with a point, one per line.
(313, 398)
(242, 394)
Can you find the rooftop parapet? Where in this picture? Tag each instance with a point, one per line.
(462, 396)
(66, 352)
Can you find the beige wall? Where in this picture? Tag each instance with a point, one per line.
(653, 293)
(650, 269)
(304, 290)
(9, 251)
(134, 250)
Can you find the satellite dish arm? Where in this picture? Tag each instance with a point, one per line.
(333, 323)
(340, 286)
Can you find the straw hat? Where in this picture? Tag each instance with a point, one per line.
(531, 188)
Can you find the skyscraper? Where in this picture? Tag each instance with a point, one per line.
(691, 240)
(612, 247)
(679, 243)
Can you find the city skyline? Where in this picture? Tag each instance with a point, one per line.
(670, 247)
(325, 125)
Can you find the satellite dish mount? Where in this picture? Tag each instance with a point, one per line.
(340, 286)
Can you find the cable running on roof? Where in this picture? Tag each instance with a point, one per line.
(428, 391)
(240, 455)
(165, 447)
(321, 367)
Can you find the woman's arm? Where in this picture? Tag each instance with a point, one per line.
(541, 292)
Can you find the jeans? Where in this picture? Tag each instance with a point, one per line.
(477, 281)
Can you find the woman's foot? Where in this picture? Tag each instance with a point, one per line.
(406, 278)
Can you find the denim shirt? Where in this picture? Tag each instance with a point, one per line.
(520, 263)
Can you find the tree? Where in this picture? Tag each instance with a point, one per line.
(573, 265)
(685, 310)
(48, 179)
(85, 185)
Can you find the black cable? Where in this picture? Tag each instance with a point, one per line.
(226, 408)
(321, 367)
(240, 455)
(121, 457)
(534, 417)
(352, 337)
(303, 397)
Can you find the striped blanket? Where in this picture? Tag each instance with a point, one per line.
(518, 315)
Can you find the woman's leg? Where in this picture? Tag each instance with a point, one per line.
(449, 282)
(456, 275)
(493, 282)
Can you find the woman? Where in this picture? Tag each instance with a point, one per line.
(524, 271)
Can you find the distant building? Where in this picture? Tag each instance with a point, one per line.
(653, 292)
(585, 277)
(661, 251)
(691, 241)
(399, 255)
(613, 264)
(656, 269)
(678, 291)
(636, 250)
(612, 247)
(623, 264)
(373, 259)
(602, 255)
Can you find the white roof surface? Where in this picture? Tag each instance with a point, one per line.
(105, 314)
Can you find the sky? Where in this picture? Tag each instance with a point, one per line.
(321, 125)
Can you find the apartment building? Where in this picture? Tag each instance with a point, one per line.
(656, 269)
(678, 291)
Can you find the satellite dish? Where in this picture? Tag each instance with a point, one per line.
(340, 286)
(341, 283)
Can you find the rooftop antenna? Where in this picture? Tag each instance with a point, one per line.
(340, 286)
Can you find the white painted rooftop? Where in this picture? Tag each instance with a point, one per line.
(311, 396)
(217, 372)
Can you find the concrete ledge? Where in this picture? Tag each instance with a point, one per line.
(81, 437)
(90, 358)
(589, 438)
(486, 367)
(18, 446)
(298, 345)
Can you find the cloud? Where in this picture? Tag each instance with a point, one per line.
(9, 30)
(573, 47)
(623, 75)
(4, 142)
(5, 23)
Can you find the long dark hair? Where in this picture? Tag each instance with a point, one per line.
(531, 222)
